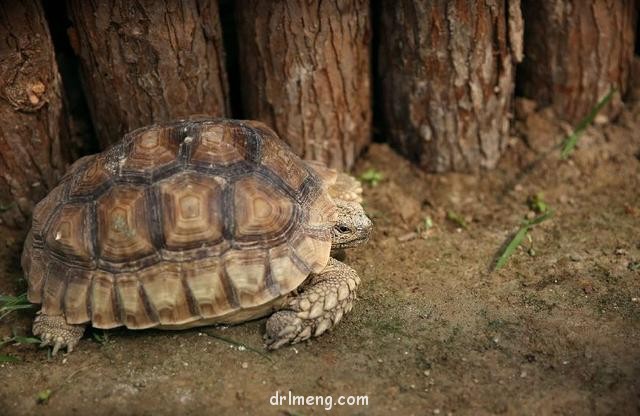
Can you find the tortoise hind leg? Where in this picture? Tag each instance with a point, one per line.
(319, 306)
(54, 330)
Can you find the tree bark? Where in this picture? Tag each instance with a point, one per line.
(33, 124)
(305, 71)
(148, 61)
(575, 52)
(446, 71)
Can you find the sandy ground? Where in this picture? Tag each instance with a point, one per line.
(556, 331)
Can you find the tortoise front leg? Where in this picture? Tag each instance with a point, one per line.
(319, 305)
(54, 330)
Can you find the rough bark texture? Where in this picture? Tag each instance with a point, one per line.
(305, 71)
(148, 61)
(31, 111)
(447, 81)
(575, 52)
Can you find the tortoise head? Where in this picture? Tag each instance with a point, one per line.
(352, 228)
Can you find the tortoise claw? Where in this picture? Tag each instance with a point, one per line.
(54, 331)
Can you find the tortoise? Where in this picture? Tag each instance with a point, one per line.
(191, 223)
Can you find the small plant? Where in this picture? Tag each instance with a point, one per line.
(10, 304)
(6, 207)
(456, 219)
(16, 340)
(518, 237)
(372, 177)
(572, 140)
(43, 396)
(536, 203)
(102, 338)
(423, 227)
(20, 340)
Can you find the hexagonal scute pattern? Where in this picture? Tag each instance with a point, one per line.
(69, 232)
(91, 179)
(261, 210)
(283, 163)
(44, 209)
(191, 210)
(151, 150)
(165, 230)
(123, 231)
(219, 144)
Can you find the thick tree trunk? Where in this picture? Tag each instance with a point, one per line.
(305, 71)
(31, 111)
(148, 61)
(575, 52)
(447, 80)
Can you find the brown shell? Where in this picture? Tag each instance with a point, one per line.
(180, 222)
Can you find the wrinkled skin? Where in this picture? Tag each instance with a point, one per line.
(325, 297)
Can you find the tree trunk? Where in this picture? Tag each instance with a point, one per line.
(447, 81)
(33, 123)
(147, 61)
(575, 52)
(305, 71)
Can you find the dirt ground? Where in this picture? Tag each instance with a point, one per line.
(556, 331)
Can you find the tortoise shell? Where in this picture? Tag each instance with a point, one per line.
(180, 222)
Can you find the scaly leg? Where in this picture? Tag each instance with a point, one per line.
(54, 330)
(320, 305)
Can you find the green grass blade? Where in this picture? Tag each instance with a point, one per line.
(8, 359)
(537, 220)
(456, 219)
(26, 340)
(518, 237)
(13, 300)
(571, 141)
(511, 247)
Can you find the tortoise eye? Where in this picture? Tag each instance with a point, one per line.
(343, 229)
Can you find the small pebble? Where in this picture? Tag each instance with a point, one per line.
(427, 373)
(245, 365)
(408, 237)
(575, 257)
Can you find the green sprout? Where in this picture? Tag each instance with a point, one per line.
(372, 177)
(456, 219)
(43, 396)
(518, 237)
(572, 140)
(536, 203)
(423, 227)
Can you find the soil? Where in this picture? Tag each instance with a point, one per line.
(435, 330)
